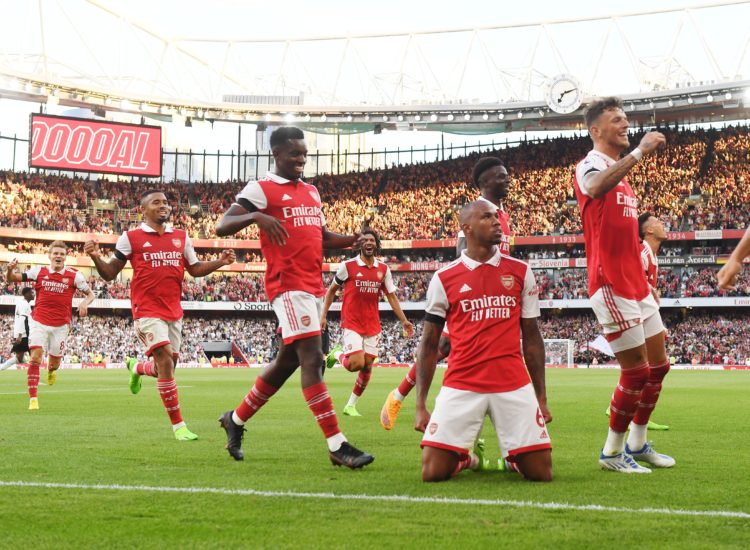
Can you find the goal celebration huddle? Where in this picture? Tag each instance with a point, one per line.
(480, 316)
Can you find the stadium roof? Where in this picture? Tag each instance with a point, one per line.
(257, 62)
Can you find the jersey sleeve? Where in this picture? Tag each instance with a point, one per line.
(189, 253)
(342, 274)
(123, 249)
(32, 273)
(437, 299)
(529, 296)
(253, 193)
(390, 287)
(80, 282)
(586, 170)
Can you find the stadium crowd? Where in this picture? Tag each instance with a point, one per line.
(699, 182)
(411, 286)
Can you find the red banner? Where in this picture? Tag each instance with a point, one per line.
(82, 145)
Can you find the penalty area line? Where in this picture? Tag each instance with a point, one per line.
(379, 498)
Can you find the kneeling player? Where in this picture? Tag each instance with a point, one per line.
(364, 278)
(489, 301)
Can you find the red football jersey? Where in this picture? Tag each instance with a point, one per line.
(158, 270)
(483, 304)
(504, 218)
(298, 264)
(363, 285)
(610, 231)
(54, 293)
(650, 264)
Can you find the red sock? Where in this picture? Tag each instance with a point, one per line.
(462, 465)
(650, 393)
(321, 405)
(168, 392)
(255, 399)
(146, 369)
(362, 381)
(627, 394)
(32, 379)
(409, 381)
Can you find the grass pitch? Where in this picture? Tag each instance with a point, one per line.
(98, 467)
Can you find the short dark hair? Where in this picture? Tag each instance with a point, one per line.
(597, 106)
(284, 133)
(148, 192)
(371, 231)
(482, 165)
(642, 219)
(25, 290)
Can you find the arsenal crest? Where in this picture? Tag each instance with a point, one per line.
(305, 320)
(177, 243)
(380, 274)
(315, 196)
(66, 281)
(432, 428)
(507, 281)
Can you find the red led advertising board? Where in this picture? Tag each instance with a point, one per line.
(82, 145)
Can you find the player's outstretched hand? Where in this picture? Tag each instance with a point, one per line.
(273, 227)
(727, 275)
(323, 323)
(357, 244)
(652, 141)
(408, 329)
(12, 265)
(421, 419)
(91, 247)
(228, 257)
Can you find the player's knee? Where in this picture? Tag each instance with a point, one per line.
(432, 472)
(356, 362)
(538, 474)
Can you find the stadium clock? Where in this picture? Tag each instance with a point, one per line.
(564, 94)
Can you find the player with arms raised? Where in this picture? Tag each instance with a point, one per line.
(618, 289)
(491, 177)
(489, 301)
(159, 255)
(364, 278)
(55, 286)
(292, 237)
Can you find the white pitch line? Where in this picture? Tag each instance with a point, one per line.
(381, 498)
(24, 392)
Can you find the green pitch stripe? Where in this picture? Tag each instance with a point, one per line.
(379, 498)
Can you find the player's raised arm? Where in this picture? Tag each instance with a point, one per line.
(727, 275)
(201, 269)
(12, 275)
(333, 240)
(107, 270)
(246, 210)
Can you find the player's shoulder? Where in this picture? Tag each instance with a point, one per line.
(453, 267)
(513, 264)
(592, 159)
